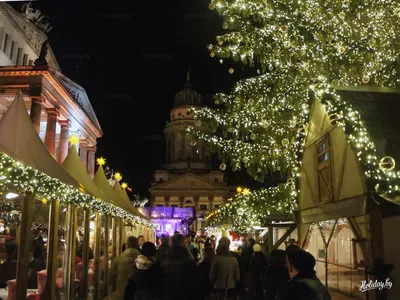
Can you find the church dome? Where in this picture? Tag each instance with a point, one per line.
(188, 96)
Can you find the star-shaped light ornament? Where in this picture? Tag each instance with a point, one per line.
(101, 161)
(124, 185)
(239, 189)
(73, 139)
(117, 176)
(44, 201)
(246, 191)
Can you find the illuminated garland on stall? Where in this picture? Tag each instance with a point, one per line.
(14, 175)
(380, 176)
(249, 209)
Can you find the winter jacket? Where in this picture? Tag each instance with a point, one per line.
(303, 287)
(146, 281)
(274, 278)
(179, 275)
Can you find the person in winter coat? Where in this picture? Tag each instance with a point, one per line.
(224, 273)
(162, 250)
(303, 283)
(179, 271)
(276, 274)
(146, 280)
(257, 264)
(122, 267)
(204, 271)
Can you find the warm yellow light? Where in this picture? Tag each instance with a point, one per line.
(118, 176)
(124, 185)
(44, 201)
(246, 191)
(239, 189)
(101, 161)
(73, 139)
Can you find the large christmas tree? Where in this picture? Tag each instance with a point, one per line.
(303, 48)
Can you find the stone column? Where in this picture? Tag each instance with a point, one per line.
(211, 202)
(183, 146)
(167, 148)
(196, 202)
(50, 138)
(36, 111)
(166, 200)
(63, 144)
(91, 160)
(83, 153)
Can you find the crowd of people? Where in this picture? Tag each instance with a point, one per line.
(181, 267)
(178, 269)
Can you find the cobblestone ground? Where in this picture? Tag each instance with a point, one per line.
(337, 296)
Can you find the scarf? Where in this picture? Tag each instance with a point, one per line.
(143, 262)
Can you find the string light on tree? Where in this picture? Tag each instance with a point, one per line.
(301, 46)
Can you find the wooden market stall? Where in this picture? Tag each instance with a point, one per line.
(30, 172)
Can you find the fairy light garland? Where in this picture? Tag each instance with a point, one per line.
(261, 125)
(248, 209)
(14, 175)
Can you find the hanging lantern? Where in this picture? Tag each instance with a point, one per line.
(285, 142)
(366, 79)
(231, 71)
(197, 122)
(193, 143)
(291, 181)
(222, 166)
(253, 136)
(387, 163)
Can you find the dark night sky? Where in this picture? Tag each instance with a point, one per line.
(132, 57)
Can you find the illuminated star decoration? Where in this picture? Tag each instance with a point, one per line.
(117, 176)
(124, 185)
(73, 139)
(101, 161)
(239, 189)
(44, 201)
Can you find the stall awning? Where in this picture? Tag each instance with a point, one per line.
(74, 166)
(125, 201)
(20, 141)
(352, 207)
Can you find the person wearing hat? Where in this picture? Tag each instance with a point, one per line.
(146, 280)
(303, 283)
(257, 264)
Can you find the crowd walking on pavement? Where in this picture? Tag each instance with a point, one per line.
(183, 268)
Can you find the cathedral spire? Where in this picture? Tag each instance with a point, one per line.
(188, 75)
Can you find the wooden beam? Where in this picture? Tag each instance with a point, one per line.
(70, 253)
(49, 292)
(25, 233)
(283, 237)
(106, 256)
(97, 248)
(85, 258)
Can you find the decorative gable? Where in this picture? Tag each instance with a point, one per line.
(79, 95)
(188, 181)
(32, 35)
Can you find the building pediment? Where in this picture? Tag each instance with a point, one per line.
(188, 181)
(79, 95)
(31, 33)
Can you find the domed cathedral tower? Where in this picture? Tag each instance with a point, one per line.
(187, 179)
(182, 153)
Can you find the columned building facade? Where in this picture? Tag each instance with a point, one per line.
(58, 107)
(187, 178)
